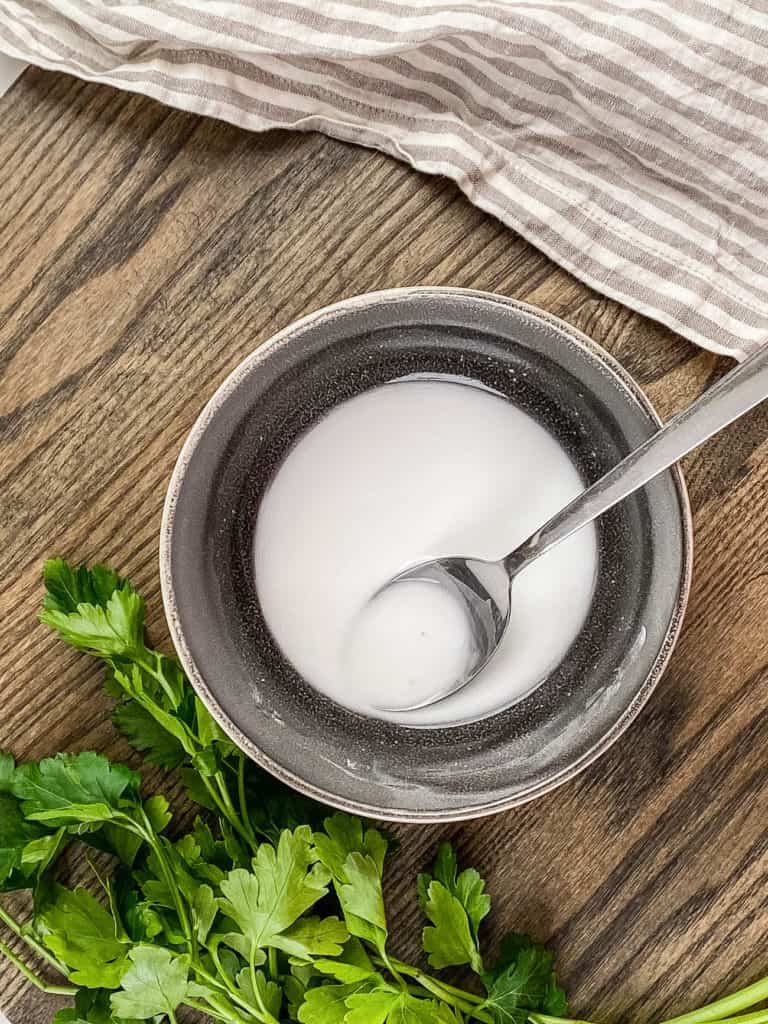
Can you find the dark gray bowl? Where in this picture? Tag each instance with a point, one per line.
(565, 381)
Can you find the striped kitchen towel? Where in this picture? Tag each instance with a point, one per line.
(627, 139)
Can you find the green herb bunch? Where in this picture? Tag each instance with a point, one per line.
(269, 909)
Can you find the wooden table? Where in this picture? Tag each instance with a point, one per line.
(143, 253)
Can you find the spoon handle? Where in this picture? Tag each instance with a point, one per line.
(735, 394)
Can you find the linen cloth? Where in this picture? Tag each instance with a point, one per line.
(625, 138)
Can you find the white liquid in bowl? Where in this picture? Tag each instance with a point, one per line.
(404, 472)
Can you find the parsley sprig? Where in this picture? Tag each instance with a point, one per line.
(269, 910)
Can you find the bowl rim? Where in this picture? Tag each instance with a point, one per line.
(358, 303)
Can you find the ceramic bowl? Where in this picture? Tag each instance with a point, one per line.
(571, 386)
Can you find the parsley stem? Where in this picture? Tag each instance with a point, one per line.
(257, 994)
(273, 968)
(418, 975)
(243, 799)
(232, 994)
(466, 1002)
(224, 1011)
(545, 1018)
(156, 672)
(758, 1017)
(434, 989)
(29, 974)
(222, 800)
(437, 989)
(213, 1014)
(460, 993)
(33, 944)
(229, 811)
(252, 971)
(395, 967)
(726, 1007)
(156, 845)
(214, 795)
(225, 979)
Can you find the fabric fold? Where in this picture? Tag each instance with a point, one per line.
(625, 140)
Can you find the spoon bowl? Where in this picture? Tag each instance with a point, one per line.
(483, 590)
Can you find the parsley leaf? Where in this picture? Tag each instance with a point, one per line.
(84, 936)
(272, 806)
(372, 1007)
(448, 1015)
(455, 904)
(468, 887)
(410, 1010)
(155, 882)
(314, 936)
(71, 1017)
(209, 731)
(139, 920)
(92, 1006)
(267, 993)
(190, 855)
(449, 941)
(352, 965)
(295, 987)
(345, 834)
(283, 884)
(147, 735)
(72, 789)
(212, 850)
(362, 899)
(123, 843)
(112, 629)
(156, 982)
(7, 771)
(164, 703)
(523, 981)
(377, 1003)
(204, 910)
(217, 903)
(327, 1004)
(16, 834)
(68, 587)
(25, 848)
(39, 854)
(355, 858)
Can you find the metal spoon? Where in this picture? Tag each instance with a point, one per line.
(485, 588)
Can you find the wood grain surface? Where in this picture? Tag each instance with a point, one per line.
(143, 253)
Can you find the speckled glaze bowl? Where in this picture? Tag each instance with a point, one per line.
(594, 409)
